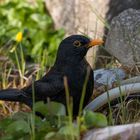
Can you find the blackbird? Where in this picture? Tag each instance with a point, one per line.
(70, 62)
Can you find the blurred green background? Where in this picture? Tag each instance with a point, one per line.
(40, 39)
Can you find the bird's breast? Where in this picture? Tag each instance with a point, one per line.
(76, 77)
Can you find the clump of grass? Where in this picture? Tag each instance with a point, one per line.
(119, 111)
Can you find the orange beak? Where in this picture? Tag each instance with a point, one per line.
(95, 42)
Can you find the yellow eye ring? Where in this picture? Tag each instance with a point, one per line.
(77, 43)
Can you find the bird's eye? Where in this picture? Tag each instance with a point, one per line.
(77, 43)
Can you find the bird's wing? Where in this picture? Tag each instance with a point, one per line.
(46, 88)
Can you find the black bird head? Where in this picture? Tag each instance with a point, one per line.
(73, 48)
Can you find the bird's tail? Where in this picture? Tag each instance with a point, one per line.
(14, 95)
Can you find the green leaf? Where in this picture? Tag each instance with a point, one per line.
(41, 107)
(51, 108)
(50, 135)
(7, 137)
(4, 123)
(21, 116)
(93, 119)
(19, 126)
(57, 137)
(55, 108)
(68, 130)
(64, 133)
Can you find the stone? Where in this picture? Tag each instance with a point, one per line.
(123, 40)
(80, 17)
(120, 132)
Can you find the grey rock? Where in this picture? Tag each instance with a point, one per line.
(120, 132)
(123, 39)
(107, 77)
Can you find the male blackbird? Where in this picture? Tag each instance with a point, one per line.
(70, 62)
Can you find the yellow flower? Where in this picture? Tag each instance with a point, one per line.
(19, 37)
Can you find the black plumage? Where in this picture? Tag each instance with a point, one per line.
(70, 62)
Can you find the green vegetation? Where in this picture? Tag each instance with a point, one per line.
(40, 40)
(55, 125)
